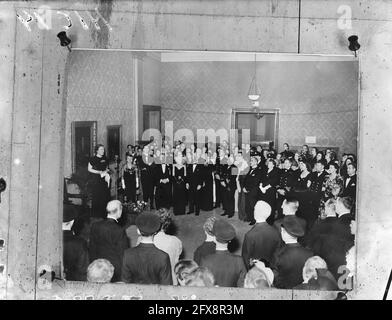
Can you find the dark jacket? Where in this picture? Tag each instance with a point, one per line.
(331, 240)
(75, 256)
(288, 264)
(252, 180)
(351, 188)
(146, 264)
(260, 242)
(228, 269)
(108, 241)
(286, 179)
(204, 250)
(317, 181)
(195, 178)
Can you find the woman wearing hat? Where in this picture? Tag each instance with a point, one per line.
(98, 167)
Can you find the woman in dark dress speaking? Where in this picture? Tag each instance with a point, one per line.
(98, 167)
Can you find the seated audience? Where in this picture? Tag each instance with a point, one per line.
(100, 271)
(145, 263)
(262, 240)
(200, 277)
(168, 243)
(259, 276)
(75, 252)
(290, 258)
(228, 269)
(182, 269)
(108, 240)
(208, 246)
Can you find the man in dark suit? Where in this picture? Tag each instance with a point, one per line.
(163, 183)
(108, 240)
(146, 166)
(251, 185)
(315, 185)
(290, 259)
(262, 240)
(194, 178)
(229, 186)
(145, 263)
(75, 253)
(220, 168)
(350, 183)
(228, 269)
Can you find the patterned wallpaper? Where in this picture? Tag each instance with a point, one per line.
(315, 98)
(100, 88)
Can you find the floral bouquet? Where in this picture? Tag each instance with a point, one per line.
(135, 207)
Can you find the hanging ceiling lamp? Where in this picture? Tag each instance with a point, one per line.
(254, 93)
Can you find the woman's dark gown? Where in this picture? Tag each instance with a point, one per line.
(100, 189)
(179, 191)
(301, 193)
(130, 183)
(269, 178)
(207, 197)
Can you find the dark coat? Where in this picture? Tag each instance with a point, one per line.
(204, 250)
(228, 269)
(108, 241)
(288, 264)
(260, 242)
(331, 240)
(287, 179)
(146, 264)
(75, 256)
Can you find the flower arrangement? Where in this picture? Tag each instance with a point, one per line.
(135, 207)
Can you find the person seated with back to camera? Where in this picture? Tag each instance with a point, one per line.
(228, 269)
(259, 276)
(75, 253)
(100, 271)
(145, 263)
(168, 243)
(316, 276)
(200, 277)
(208, 246)
(289, 260)
(182, 269)
(290, 208)
(108, 239)
(262, 240)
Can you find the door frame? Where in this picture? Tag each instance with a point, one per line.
(251, 110)
(93, 134)
(119, 127)
(147, 108)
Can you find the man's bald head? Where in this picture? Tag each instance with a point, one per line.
(114, 209)
(262, 211)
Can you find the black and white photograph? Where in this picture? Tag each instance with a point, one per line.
(195, 150)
